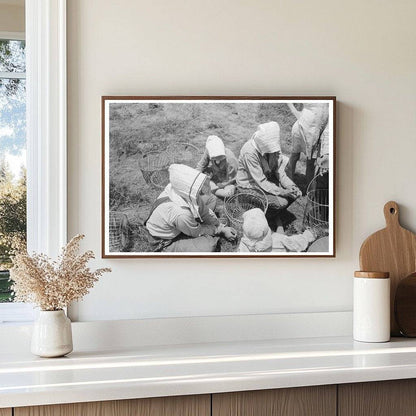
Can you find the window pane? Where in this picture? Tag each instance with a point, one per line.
(12, 116)
(12, 56)
(12, 175)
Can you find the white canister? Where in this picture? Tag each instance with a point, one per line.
(371, 307)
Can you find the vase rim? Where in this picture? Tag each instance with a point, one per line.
(57, 310)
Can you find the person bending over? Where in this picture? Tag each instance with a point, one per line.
(261, 165)
(220, 164)
(180, 220)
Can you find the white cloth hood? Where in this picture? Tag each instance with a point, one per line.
(257, 234)
(215, 146)
(267, 138)
(185, 183)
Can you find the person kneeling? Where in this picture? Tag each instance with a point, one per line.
(220, 164)
(261, 166)
(180, 220)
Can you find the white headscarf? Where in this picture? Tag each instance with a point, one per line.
(267, 138)
(257, 235)
(215, 146)
(185, 186)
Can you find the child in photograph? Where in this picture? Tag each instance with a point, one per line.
(220, 164)
(257, 236)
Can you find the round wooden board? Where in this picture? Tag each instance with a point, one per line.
(405, 306)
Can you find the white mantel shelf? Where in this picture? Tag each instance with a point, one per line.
(151, 371)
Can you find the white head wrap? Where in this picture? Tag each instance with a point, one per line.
(215, 146)
(267, 138)
(257, 235)
(186, 182)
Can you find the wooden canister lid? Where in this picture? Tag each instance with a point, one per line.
(372, 275)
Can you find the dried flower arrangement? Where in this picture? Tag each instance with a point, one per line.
(53, 285)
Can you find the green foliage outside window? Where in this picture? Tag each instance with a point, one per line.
(12, 145)
(12, 223)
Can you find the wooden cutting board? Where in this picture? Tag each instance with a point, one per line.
(393, 250)
(405, 306)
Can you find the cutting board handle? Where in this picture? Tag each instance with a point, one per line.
(391, 214)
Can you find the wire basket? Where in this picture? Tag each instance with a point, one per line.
(242, 201)
(152, 162)
(119, 232)
(160, 178)
(317, 207)
(184, 153)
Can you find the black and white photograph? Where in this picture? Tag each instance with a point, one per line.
(218, 176)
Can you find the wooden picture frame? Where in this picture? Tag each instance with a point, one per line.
(143, 136)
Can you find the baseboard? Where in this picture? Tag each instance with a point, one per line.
(169, 331)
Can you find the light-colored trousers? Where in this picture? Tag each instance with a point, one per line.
(202, 244)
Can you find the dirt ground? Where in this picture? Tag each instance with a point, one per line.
(137, 129)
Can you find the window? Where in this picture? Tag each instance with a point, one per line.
(45, 27)
(12, 153)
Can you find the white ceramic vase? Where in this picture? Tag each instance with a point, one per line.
(52, 334)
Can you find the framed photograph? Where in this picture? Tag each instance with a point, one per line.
(218, 176)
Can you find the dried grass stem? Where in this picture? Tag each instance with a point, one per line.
(53, 285)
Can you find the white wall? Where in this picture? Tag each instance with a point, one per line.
(361, 51)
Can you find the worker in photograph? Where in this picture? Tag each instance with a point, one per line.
(293, 243)
(180, 219)
(220, 164)
(261, 165)
(257, 236)
(306, 136)
(322, 162)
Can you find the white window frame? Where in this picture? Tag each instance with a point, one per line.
(46, 127)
